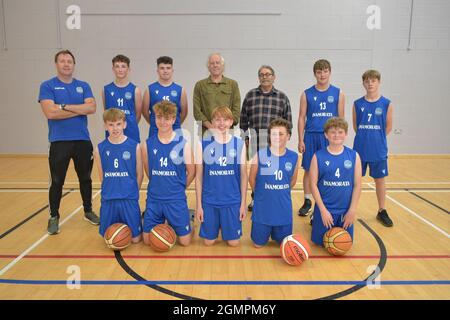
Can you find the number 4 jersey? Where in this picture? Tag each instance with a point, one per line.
(336, 175)
(370, 140)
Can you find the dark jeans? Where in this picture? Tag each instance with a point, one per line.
(59, 158)
(254, 145)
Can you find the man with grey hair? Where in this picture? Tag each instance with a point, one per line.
(261, 105)
(214, 91)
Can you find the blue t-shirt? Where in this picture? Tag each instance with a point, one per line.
(159, 93)
(167, 169)
(123, 98)
(273, 203)
(370, 139)
(321, 106)
(76, 92)
(336, 179)
(119, 170)
(222, 172)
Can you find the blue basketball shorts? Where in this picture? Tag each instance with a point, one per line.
(123, 211)
(225, 219)
(175, 212)
(314, 141)
(378, 169)
(262, 232)
(318, 229)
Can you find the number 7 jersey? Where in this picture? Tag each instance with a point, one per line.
(370, 139)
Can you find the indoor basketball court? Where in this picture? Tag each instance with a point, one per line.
(412, 258)
(406, 40)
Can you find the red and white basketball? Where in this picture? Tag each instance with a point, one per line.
(295, 250)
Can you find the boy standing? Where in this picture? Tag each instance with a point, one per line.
(372, 122)
(335, 182)
(317, 104)
(124, 95)
(169, 165)
(119, 166)
(167, 90)
(272, 175)
(221, 181)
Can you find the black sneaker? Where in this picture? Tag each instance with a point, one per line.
(383, 217)
(250, 206)
(305, 209)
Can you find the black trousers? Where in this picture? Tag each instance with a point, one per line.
(59, 158)
(256, 143)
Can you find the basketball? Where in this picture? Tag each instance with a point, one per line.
(337, 241)
(118, 236)
(295, 250)
(162, 237)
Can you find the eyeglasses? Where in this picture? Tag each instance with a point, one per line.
(265, 75)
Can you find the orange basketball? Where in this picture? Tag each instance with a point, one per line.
(295, 250)
(118, 236)
(162, 237)
(337, 241)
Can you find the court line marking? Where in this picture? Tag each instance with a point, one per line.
(34, 245)
(34, 214)
(224, 282)
(415, 214)
(210, 257)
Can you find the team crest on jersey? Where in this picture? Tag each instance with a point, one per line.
(330, 99)
(327, 163)
(288, 166)
(79, 89)
(173, 93)
(362, 109)
(348, 164)
(378, 111)
(112, 93)
(315, 98)
(173, 155)
(156, 91)
(126, 155)
(268, 163)
(107, 153)
(212, 151)
(232, 153)
(128, 95)
(155, 151)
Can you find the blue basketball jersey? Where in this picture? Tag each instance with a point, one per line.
(123, 98)
(167, 169)
(119, 170)
(336, 179)
(159, 93)
(221, 172)
(273, 203)
(321, 106)
(66, 93)
(370, 139)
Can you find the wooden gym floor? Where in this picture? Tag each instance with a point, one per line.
(412, 259)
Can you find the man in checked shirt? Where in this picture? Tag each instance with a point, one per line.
(261, 105)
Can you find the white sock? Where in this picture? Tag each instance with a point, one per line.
(308, 196)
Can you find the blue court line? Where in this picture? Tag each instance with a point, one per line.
(196, 282)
